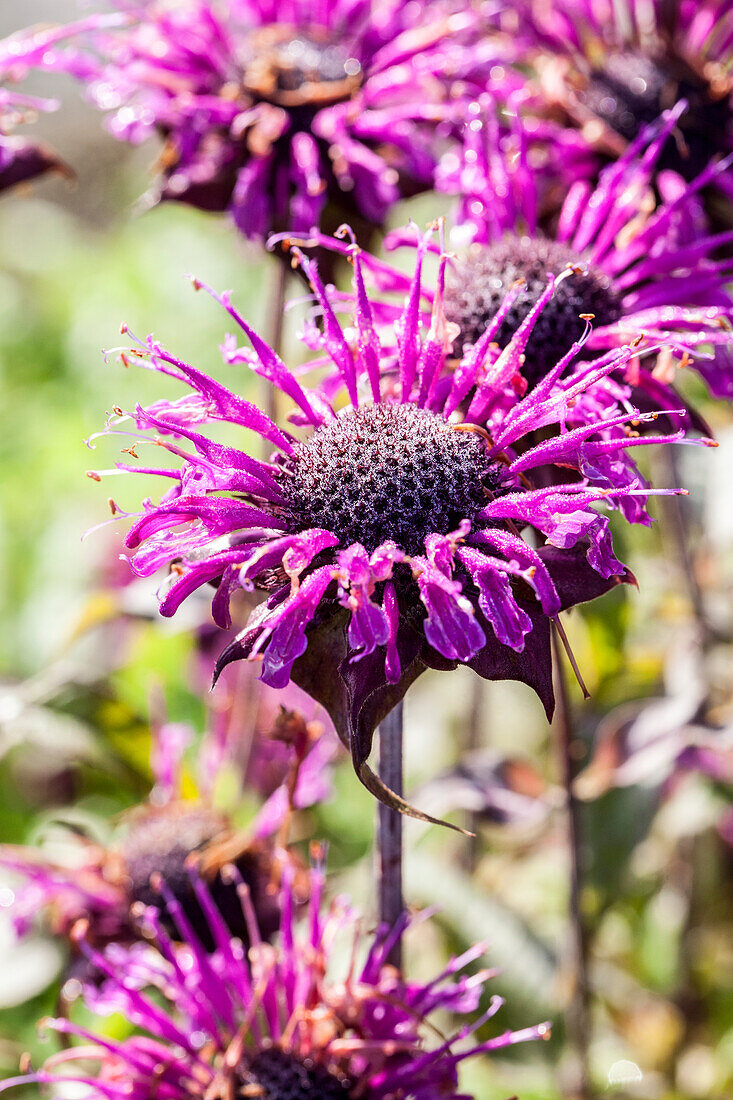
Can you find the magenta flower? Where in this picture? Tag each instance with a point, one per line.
(387, 536)
(642, 266)
(272, 112)
(21, 158)
(166, 836)
(272, 1021)
(613, 68)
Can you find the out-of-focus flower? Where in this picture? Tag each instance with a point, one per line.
(273, 1021)
(387, 536)
(614, 67)
(167, 835)
(272, 112)
(640, 265)
(21, 158)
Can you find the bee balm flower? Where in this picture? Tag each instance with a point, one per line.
(386, 536)
(612, 68)
(271, 112)
(276, 1022)
(643, 265)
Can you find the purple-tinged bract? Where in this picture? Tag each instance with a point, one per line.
(271, 110)
(386, 535)
(276, 1021)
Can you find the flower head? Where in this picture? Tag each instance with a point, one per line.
(275, 1021)
(386, 536)
(613, 68)
(273, 112)
(164, 837)
(642, 262)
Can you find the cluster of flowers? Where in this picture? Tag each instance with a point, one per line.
(441, 492)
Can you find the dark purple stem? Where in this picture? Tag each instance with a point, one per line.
(578, 1016)
(389, 828)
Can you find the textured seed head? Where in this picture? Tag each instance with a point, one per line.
(632, 89)
(386, 472)
(480, 280)
(160, 842)
(283, 1076)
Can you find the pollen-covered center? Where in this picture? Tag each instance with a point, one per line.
(293, 68)
(283, 1076)
(386, 472)
(161, 841)
(480, 280)
(632, 89)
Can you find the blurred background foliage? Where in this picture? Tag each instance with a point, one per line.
(81, 651)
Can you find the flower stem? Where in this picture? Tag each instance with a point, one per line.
(578, 1016)
(389, 828)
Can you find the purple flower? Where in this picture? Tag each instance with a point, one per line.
(612, 68)
(273, 1020)
(21, 159)
(387, 536)
(272, 111)
(166, 835)
(642, 266)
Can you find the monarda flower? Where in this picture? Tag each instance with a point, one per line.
(21, 158)
(386, 536)
(614, 67)
(272, 112)
(275, 1021)
(165, 837)
(642, 266)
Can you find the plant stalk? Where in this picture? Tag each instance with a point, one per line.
(578, 1015)
(389, 828)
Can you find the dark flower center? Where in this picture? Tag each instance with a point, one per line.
(632, 89)
(283, 1076)
(480, 280)
(295, 68)
(386, 472)
(161, 841)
